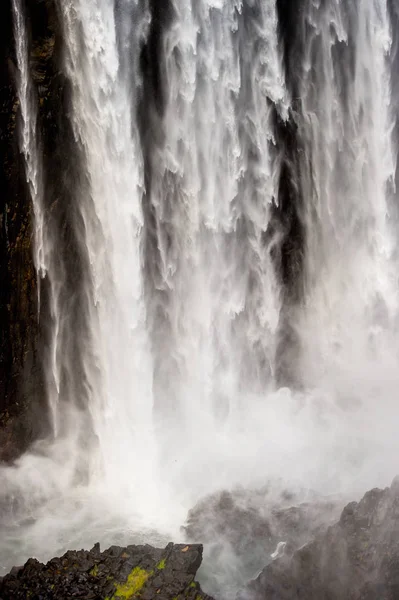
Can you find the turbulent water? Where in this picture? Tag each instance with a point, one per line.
(237, 222)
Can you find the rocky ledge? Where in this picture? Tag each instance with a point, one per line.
(117, 574)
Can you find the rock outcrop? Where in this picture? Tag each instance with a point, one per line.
(243, 528)
(355, 559)
(117, 574)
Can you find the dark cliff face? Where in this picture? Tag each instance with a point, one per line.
(25, 335)
(23, 402)
(20, 374)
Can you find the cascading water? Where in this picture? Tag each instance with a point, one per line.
(237, 211)
(29, 141)
(121, 399)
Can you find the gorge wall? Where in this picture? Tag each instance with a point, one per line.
(22, 387)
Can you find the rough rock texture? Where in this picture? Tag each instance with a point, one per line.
(118, 573)
(355, 559)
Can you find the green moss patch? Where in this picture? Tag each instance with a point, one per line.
(94, 571)
(161, 565)
(134, 583)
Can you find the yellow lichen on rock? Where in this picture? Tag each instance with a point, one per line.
(94, 571)
(133, 584)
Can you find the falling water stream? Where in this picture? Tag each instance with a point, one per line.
(239, 221)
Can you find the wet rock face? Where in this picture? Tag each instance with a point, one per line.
(242, 529)
(24, 337)
(355, 559)
(117, 574)
(248, 517)
(20, 376)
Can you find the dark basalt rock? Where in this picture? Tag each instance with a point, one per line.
(355, 559)
(23, 406)
(24, 333)
(118, 573)
(21, 381)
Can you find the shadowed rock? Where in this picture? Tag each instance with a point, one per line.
(355, 559)
(263, 517)
(21, 377)
(243, 528)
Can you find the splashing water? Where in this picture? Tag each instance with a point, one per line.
(240, 163)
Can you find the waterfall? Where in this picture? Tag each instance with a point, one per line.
(352, 282)
(29, 135)
(186, 298)
(237, 215)
(212, 293)
(103, 101)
